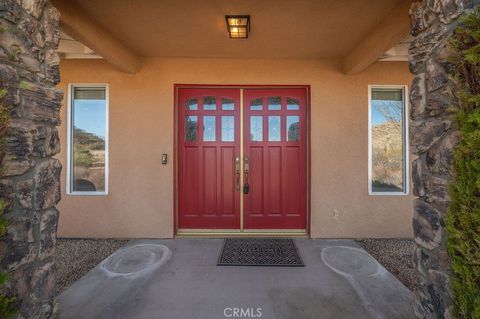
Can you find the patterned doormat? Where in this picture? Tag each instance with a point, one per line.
(260, 252)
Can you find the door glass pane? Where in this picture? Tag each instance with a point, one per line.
(292, 104)
(209, 103)
(274, 103)
(209, 128)
(89, 133)
(228, 104)
(256, 128)
(191, 128)
(293, 128)
(274, 128)
(388, 156)
(256, 105)
(228, 129)
(191, 104)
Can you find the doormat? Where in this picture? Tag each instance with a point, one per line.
(260, 252)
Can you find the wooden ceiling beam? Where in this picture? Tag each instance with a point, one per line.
(391, 30)
(75, 22)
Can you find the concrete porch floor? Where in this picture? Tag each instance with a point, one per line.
(339, 280)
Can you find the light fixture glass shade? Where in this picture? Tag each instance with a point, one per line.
(238, 26)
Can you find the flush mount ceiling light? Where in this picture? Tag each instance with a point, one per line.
(238, 26)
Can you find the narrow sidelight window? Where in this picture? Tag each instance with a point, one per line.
(87, 167)
(388, 145)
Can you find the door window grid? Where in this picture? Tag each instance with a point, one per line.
(293, 128)
(293, 104)
(228, 128)
(228, 104)
(191, 104)
(256, 105)
(209, 129)
(191, 128)
(256, 128)
(274, 128)
(274, 121)
(209, 123)
(210, 103)
(274, 103)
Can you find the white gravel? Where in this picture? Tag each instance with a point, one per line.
(396, 255)
(75, 257)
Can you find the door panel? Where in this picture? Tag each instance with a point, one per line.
(277, 158)
(228, 195)
(208, 142)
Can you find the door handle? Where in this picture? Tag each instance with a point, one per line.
(246, 186)
(237, 173)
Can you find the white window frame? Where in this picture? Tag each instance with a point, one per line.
(71, 87)
(406, 156)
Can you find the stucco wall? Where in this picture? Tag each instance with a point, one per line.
(140, 199)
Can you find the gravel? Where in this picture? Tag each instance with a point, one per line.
(396, 255)
(76, 257)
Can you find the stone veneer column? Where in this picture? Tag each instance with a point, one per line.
(433, 137)
(29, 35)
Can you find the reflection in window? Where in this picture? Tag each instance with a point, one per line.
(209, 128)
(274, 128)
(228, 129)
(388, 140)
(292, 104)
(228, 104)
(293, 128)
(191, 128)
(88, 139)
(275, 103)
(209, 103)
(256, 128)
(256, 105)
(191, 104)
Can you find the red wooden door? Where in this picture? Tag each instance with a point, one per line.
(208, 144)
(275, 144)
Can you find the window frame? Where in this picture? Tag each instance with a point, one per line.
(70, 95)
(406, 143)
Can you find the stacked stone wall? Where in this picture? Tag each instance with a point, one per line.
(30, 181)
(433, 138)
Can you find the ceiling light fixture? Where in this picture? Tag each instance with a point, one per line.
(238, 27)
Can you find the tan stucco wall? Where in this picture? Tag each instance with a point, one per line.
(140, 199)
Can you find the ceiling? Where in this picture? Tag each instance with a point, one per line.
(279, 28)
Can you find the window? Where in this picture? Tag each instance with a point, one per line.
(388, 145)
(87, 166)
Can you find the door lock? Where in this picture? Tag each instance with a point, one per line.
(246, 188)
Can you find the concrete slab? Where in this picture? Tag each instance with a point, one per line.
(339, 280)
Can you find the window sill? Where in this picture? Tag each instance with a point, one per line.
(87, 193)
(388, 194)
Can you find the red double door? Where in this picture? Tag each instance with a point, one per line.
(242, 181)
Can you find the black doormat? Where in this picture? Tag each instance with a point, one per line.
(260, 252)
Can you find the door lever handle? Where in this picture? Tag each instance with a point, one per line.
(237, 173)
(246, 187)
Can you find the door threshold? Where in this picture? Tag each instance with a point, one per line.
(223, 233)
